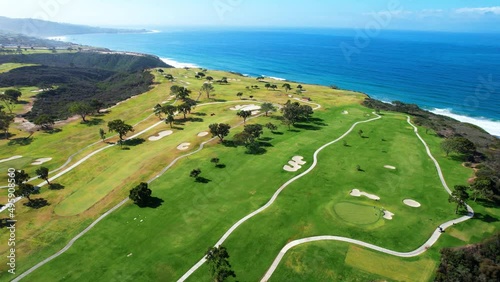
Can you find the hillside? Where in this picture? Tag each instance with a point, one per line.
(83, 76)
(40, 28)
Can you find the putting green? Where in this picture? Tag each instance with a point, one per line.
(356, 213)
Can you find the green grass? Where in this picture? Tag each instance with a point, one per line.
(10, 66)
(356, 213)
(166, 241)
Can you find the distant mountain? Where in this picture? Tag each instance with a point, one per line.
(14, 40)
(40, 28)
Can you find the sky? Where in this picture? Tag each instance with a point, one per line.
(444, 15)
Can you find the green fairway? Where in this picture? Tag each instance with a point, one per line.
(10, 66)
(357, 214)
(161, 243)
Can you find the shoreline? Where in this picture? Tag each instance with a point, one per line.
(489, 125)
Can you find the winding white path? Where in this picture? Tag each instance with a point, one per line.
(274, 197)
(318, 106)
(72, 241)
(434, 237)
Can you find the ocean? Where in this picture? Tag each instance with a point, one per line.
(453, 74)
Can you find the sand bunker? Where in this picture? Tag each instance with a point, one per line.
(358, 193)
(390, 167)
(10, 159)
(251, 108)
(388, 215)
(160, 135)
(412, 203)
(345, 112)
(183, 146)
(295, 164)
(41, 161)
(203, 134)
(254, 113)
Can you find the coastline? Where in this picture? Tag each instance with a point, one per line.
(489, 125)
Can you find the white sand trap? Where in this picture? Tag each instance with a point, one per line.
(41, 161)
(388, 215)
(358, 193)
(390, 167)
(345, 112)
(251, 108)
(412, 203)
(295, 164)
(254, 113)
(10, 159)
(160, 135)
(183, 146)
(203, 134)
(299, 160)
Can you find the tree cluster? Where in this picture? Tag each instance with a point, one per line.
(480, 262)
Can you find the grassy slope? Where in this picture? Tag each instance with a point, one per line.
(193, 216)
(10, 66)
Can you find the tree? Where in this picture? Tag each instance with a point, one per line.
(360, 133)
(120, 127)
(215, 161)
(220, 268)
(268, 107)
(274, 87)
(244, 115)
(220, 130)
(483, 187)
(223, 80)
(260, 78)
(459, 196)
(195, 173)
(174, 89)
(140, 194)
(306, 111)
(209, 78)
(200, 74)
(13, 95)
(9, 104)
(45, 122)
(96, 105)
(170, 120)
(5, 121)
(458, 145)
(20, 176)
(169, 110)
(207, 88)
(287, 87)
(102, 134)
(300, 87)
(239, 94)
(169, 77)
(43, 173)
(291, 113)
(25, 190)
(158, 110)
(184, 108)
(183, 93)
(80, 108)
(267, 86)
(243, 138)
(255, 130)
(271, 127)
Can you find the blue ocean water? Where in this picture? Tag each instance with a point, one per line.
(455, 74)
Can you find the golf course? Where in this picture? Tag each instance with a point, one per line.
(369, 186)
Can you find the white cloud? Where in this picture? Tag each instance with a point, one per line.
(484, 10)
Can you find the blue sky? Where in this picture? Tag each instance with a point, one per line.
(449, 15)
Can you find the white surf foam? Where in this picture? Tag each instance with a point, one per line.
(58, 38)
(177, 64)
(491, 126)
